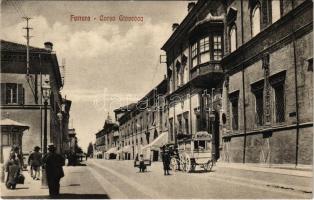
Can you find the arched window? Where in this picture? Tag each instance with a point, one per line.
(182, 75)
(275, 10)
(256, 20)
(233, 38)
(178, 73)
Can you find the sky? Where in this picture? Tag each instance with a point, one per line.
(108, 64)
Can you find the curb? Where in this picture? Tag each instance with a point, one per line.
(291, 172)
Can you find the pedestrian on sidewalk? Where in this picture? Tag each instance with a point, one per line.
(18, 155)
(142, 166)
(13, 168)
(166, 160)
(34, 161)
(53, 163)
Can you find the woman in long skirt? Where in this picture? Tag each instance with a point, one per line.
(13, 169)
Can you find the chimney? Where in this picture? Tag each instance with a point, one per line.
(48, 46)
(190, 6)
(174, 26)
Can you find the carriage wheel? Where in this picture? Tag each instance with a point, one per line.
(173, 164)
(182, 163)
(188, 165)
(209, 165)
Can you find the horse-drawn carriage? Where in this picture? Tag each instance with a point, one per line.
(192, 152)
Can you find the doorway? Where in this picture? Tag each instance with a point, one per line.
(155, 155)
(215, 136)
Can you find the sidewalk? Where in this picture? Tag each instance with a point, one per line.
(276, 176)
(78, 183)
(304, 171)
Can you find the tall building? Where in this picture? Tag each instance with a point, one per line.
(21, 92)
(143, 125)
(268, 87)
(107, 140)
(195, 75)
(242, 70)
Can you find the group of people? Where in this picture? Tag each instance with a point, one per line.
(166, 158)
(52, 162)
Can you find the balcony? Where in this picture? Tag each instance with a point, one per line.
(209, 73)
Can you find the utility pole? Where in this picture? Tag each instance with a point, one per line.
(27, 36)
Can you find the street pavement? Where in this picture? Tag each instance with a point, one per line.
(102, 179)
(78, 183)
(121, 180)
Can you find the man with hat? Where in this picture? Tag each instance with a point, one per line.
(165, 160)
(53, 163)
(34, 161)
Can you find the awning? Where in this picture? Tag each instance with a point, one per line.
(112, 150)
(126, 149)
(161, 140)
(14, 124)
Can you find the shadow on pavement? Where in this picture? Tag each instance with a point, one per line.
(21, 188)
(62, 196)
(78, 165)
(71, 185)
(143, 172)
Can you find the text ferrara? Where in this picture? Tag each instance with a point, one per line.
(106, 18)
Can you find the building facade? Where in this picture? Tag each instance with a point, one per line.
(268, 87)
(107, 140)
(143, 122)
(243, 71)
(195, 75)
(21, 92)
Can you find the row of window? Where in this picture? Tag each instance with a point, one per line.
(207, 49)
(278, 105)
(124, 143)
(10, 139)
(139, 125)
(256, 17)
(12, 93)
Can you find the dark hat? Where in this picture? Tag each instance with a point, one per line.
(15, 147)
(51, 146)
(36, 148)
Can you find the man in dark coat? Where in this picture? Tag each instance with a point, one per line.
(53, 163)
(166, 160)
(34, 161)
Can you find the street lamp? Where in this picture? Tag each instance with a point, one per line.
(212, 123)
(59, 115)
(46, 90)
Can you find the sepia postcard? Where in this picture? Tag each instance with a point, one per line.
(199, 99)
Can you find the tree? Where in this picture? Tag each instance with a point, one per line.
(90, 149)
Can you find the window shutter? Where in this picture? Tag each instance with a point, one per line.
(3, 94)
(20, 92)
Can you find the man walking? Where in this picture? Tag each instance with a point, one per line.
(166, 160)
(53, 163)
(34, 161)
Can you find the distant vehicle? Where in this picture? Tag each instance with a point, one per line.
(192, 152)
